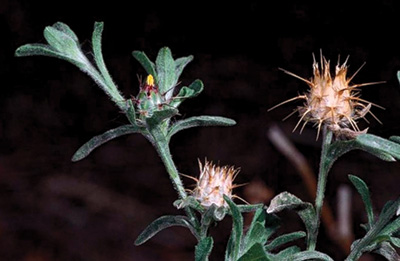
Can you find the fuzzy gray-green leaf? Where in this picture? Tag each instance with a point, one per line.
(203, 249)
(256, 232)
(387, 251)
(96, 141)
(66, 29)
(237, 230)
(159, 116)
(148, 65)
(255, 253)
(194, 89)
(283, 239)
(165, 67)
(62, 42)
(395, 139)
(180, 64)
(46, 50)
(363, 190)
(310, 255)
(198, 121)
(98, 56)
(305, 210)
(160, 224)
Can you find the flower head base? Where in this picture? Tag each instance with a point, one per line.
(331, 101)
(214, 182)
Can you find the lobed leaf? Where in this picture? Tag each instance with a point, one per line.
(96, 141)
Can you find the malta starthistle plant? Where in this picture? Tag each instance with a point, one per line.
(332, 104)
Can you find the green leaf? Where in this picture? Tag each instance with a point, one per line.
(198, 121)
(382, 148)
(256, 232)
(255, 253)
(383, 226)
(363, 190)
(281, 240)
(387, 251)
(165, 67)
(194, 89)
(203, 249)
(160, 116)
(306, 211)
(395, 139)
(163, 223)
(180, 64)
(233, 248)
(148, 65)
(45, 50)
(66, 30)
(98, 56)
(96, 141)
(392, 227)
(249, 208)
(395, 241)
(130, 113)
(62, 41)
(310, 255)
(286, 253)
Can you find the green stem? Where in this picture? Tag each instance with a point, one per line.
(161, 144)
(324, 167)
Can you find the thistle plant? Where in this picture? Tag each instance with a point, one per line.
(332, 104)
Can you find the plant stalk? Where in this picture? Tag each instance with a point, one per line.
(324, 167)
(160, 142)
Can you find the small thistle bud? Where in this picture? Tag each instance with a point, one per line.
(149, 98)
(331, 101)
(213, 183)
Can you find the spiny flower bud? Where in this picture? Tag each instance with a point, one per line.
(213, 183)
(149, 98)
(331, 101)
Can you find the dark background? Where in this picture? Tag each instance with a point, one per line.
(53, 209)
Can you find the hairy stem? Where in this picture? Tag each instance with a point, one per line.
(161, 144)
(324, 167)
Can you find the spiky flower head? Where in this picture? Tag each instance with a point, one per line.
(332, 101)
(214, 182)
